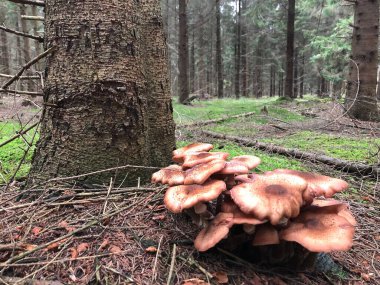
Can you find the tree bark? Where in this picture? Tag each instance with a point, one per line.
(109, 84)
(183, 53)
(361, 101)
(295, 86)
(219, 60)
(290, 50)
(244, 42)
(192, 63)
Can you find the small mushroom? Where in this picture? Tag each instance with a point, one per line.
(266, 234)
(171, 175)
(201, 210)
(178, 198)
(272, 197)
(318, 229)
(216, 230)
(178, 154)
(194, 159)
(200, 173)
(318, 185)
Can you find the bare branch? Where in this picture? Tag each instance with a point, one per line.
(23, 132)
(21, 92)
(26, 66)
(29, 2)
(33, 18)
(37, 38)
(21, 77)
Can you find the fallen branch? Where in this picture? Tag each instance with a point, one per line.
(36, 3)
(37, 38)
(352, 167)
(33, 18)
(21, 77)
(209, 122)
(23, 132)
(26, 66)
(22, 281)
(18, 92)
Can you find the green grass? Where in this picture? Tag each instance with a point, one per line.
(268, 161)
(12, 153)
(347, 148)
(214, 109)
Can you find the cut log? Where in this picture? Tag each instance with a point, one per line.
(344, 165)
(210, 122)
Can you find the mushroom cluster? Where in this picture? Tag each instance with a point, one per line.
(226, 199)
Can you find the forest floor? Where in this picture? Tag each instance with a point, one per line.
(117, 235)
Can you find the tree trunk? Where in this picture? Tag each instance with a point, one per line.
(37, 45)
(237, 50)
(107, 91)
(244, 30)
(192, 63)
(290, 50)
(295, 86)
(183, 53)
(302, 75)
(5, 64)
(219, 60)
(361, 101)
(26, 46)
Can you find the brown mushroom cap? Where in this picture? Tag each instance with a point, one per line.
(229, 206)
(200, 173)
(216, 230)
(319, 230)
(234, 167)
(318, 185)
(272, 197)
(182, 197)
(193, 159)
(171, 175)
(341, 208)
(250, 161)
(179, 154)
(266, 234)
(245, 178)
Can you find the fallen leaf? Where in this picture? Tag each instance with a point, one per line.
(66, 226)
(103, 244)
(221, 277)
(74, 252)
(365, 277)
(36, 230)
(151, 249)
(159, 218)
(18, 228)
(115, 249)
(195, 281)
(82, 247)
(28, 246)
(52, 246)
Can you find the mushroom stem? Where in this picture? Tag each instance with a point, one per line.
(200, 208)
(249, 229)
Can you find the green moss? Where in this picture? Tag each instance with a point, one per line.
(347, 148)
(12, 153)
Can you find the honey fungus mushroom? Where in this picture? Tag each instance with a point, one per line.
(171, 175)
(194, 159)
(178, 198)
(320, 229)
(318, 185)
(270, 196)
(178, 154)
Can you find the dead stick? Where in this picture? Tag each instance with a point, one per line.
(21, 77)
(18, 92)
(169, 281)
(23, 132)
(33, 18)
(36, 3)
(26, 66)
(37, 38)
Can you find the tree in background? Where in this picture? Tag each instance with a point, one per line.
(289, 81)
(183, 53)
(219, 58)
(361, 101)
(107, 91)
